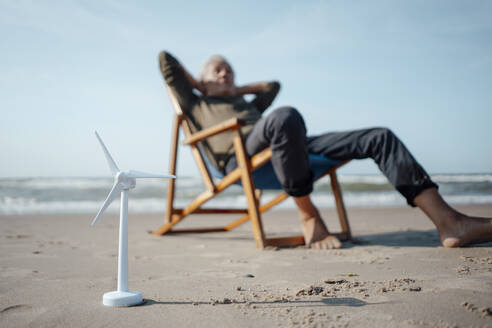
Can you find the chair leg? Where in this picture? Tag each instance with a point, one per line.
(263, 208)
(258, 193)
(172, 169)
(249, 190)
(342, 213)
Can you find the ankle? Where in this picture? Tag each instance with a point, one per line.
(450, 222)
(437, 210)
(308, 218)
(307, 210)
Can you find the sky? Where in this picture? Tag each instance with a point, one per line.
(68, 68)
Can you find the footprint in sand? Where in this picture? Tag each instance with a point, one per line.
(20, 311)
(16, 308)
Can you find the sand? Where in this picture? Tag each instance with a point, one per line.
(54, 270)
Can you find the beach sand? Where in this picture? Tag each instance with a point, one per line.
(54, 270)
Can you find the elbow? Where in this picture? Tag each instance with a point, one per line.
(167, 64)
(166, 59)
(275, 85)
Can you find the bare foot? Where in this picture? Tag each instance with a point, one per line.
(316, 235)
(466, 230)
(455, 229)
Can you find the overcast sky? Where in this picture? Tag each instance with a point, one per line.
(67, 68)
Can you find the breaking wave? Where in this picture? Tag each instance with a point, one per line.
(86, 195)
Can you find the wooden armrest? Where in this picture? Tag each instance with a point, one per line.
(230, 124)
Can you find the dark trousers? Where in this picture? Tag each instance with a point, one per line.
(285, 132)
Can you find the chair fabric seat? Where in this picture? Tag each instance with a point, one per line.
(265, 177)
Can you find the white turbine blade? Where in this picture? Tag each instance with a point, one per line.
(138, 174)
(112, 165)
(115, 191)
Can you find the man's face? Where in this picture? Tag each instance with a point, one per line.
(220, 72)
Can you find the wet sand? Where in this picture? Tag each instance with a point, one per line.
(54, 270)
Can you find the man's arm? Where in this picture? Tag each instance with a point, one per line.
(265, 93)
(253, 88)
(194, 83)
(178, 79)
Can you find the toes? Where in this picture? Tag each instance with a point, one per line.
(327, 243)
(336, 243)
(322, 244)
(333, 242)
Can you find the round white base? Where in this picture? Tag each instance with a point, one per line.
(116, 298)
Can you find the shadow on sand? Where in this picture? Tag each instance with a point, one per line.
(326, 301)
(407, 238)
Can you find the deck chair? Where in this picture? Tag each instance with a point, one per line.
(254, 174)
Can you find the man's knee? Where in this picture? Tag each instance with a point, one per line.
(286, 110)
(286, 118)
(384, 133)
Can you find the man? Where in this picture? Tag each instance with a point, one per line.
(284, 131)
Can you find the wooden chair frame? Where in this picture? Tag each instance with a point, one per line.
(244, 173)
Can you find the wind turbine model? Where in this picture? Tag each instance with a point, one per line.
(123, 181)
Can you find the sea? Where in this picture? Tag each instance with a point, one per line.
(72, 195)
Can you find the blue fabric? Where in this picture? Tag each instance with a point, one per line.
(265, 177)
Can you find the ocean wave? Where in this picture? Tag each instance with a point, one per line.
(191, 183)
(440, 178)
(84, 183)
(21, 206)
(365, 179)
(56, 183)
(462, 178)
(86, 195)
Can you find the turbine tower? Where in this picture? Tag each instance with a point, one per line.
(123, 181)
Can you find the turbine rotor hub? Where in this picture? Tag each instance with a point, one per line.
(125, 181)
